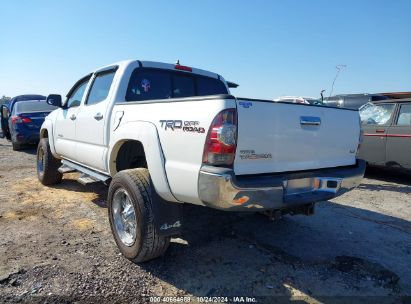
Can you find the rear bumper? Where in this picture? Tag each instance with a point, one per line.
(219, 188)
(23, 135)
(24, 138)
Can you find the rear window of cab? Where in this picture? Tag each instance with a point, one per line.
(151, 84)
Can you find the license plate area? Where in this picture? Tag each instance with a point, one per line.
(311, 184)
(301, 185)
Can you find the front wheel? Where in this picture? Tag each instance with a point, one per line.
(131, 216)
(47, 164)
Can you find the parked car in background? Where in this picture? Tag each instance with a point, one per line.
(299, 99)
(23, 122)
(386, 126)
(19, 98)
(352, 101)
(7, 108)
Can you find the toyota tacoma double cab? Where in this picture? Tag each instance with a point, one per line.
(161, 135)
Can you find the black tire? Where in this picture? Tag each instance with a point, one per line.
(148, 244)
(15, 146)
(47, 164)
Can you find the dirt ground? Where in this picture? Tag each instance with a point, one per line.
(56, 246)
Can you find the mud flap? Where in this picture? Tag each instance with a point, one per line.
(168, 217)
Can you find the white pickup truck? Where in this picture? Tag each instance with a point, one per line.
(162, 135)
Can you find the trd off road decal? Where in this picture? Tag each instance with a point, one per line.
(185, 125)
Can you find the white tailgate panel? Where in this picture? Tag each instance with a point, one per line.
(273, 133)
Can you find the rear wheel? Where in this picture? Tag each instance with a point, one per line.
(47, 164)
(131, 216)
(16, 146)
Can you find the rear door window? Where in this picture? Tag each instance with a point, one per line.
(76, 94)
(404, 116)
(100, 87)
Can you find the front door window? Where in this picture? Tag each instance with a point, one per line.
(74, 100)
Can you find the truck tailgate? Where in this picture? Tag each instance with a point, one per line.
(280, 137)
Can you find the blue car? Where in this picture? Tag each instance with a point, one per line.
(23, 118)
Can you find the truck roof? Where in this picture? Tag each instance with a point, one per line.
(159, 65)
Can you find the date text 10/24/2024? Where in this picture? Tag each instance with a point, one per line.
(188, 299)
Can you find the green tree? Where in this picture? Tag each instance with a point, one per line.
(4, 100)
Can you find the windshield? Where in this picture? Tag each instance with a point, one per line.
(29, 106)
(372, 114)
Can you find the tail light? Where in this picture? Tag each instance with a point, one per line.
(221, 139)
(19, 120)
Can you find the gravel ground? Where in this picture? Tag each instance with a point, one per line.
(56, 246)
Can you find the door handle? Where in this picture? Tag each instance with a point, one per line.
(73, 117)
(310, 121)
(379, 131)
(98, 116)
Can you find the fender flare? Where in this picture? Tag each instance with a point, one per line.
(146, 133)
(48, 126)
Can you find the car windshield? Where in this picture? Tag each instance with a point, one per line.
(376, 114)
(29, 106)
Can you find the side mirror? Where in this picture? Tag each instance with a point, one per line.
(54, 100)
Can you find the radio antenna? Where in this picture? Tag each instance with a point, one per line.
(339, 68)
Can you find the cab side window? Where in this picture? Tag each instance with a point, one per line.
(100, 87)
(74, 99)
(404, 116)
(377, 114)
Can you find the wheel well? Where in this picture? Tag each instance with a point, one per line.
(131, 155)
(44, 133)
